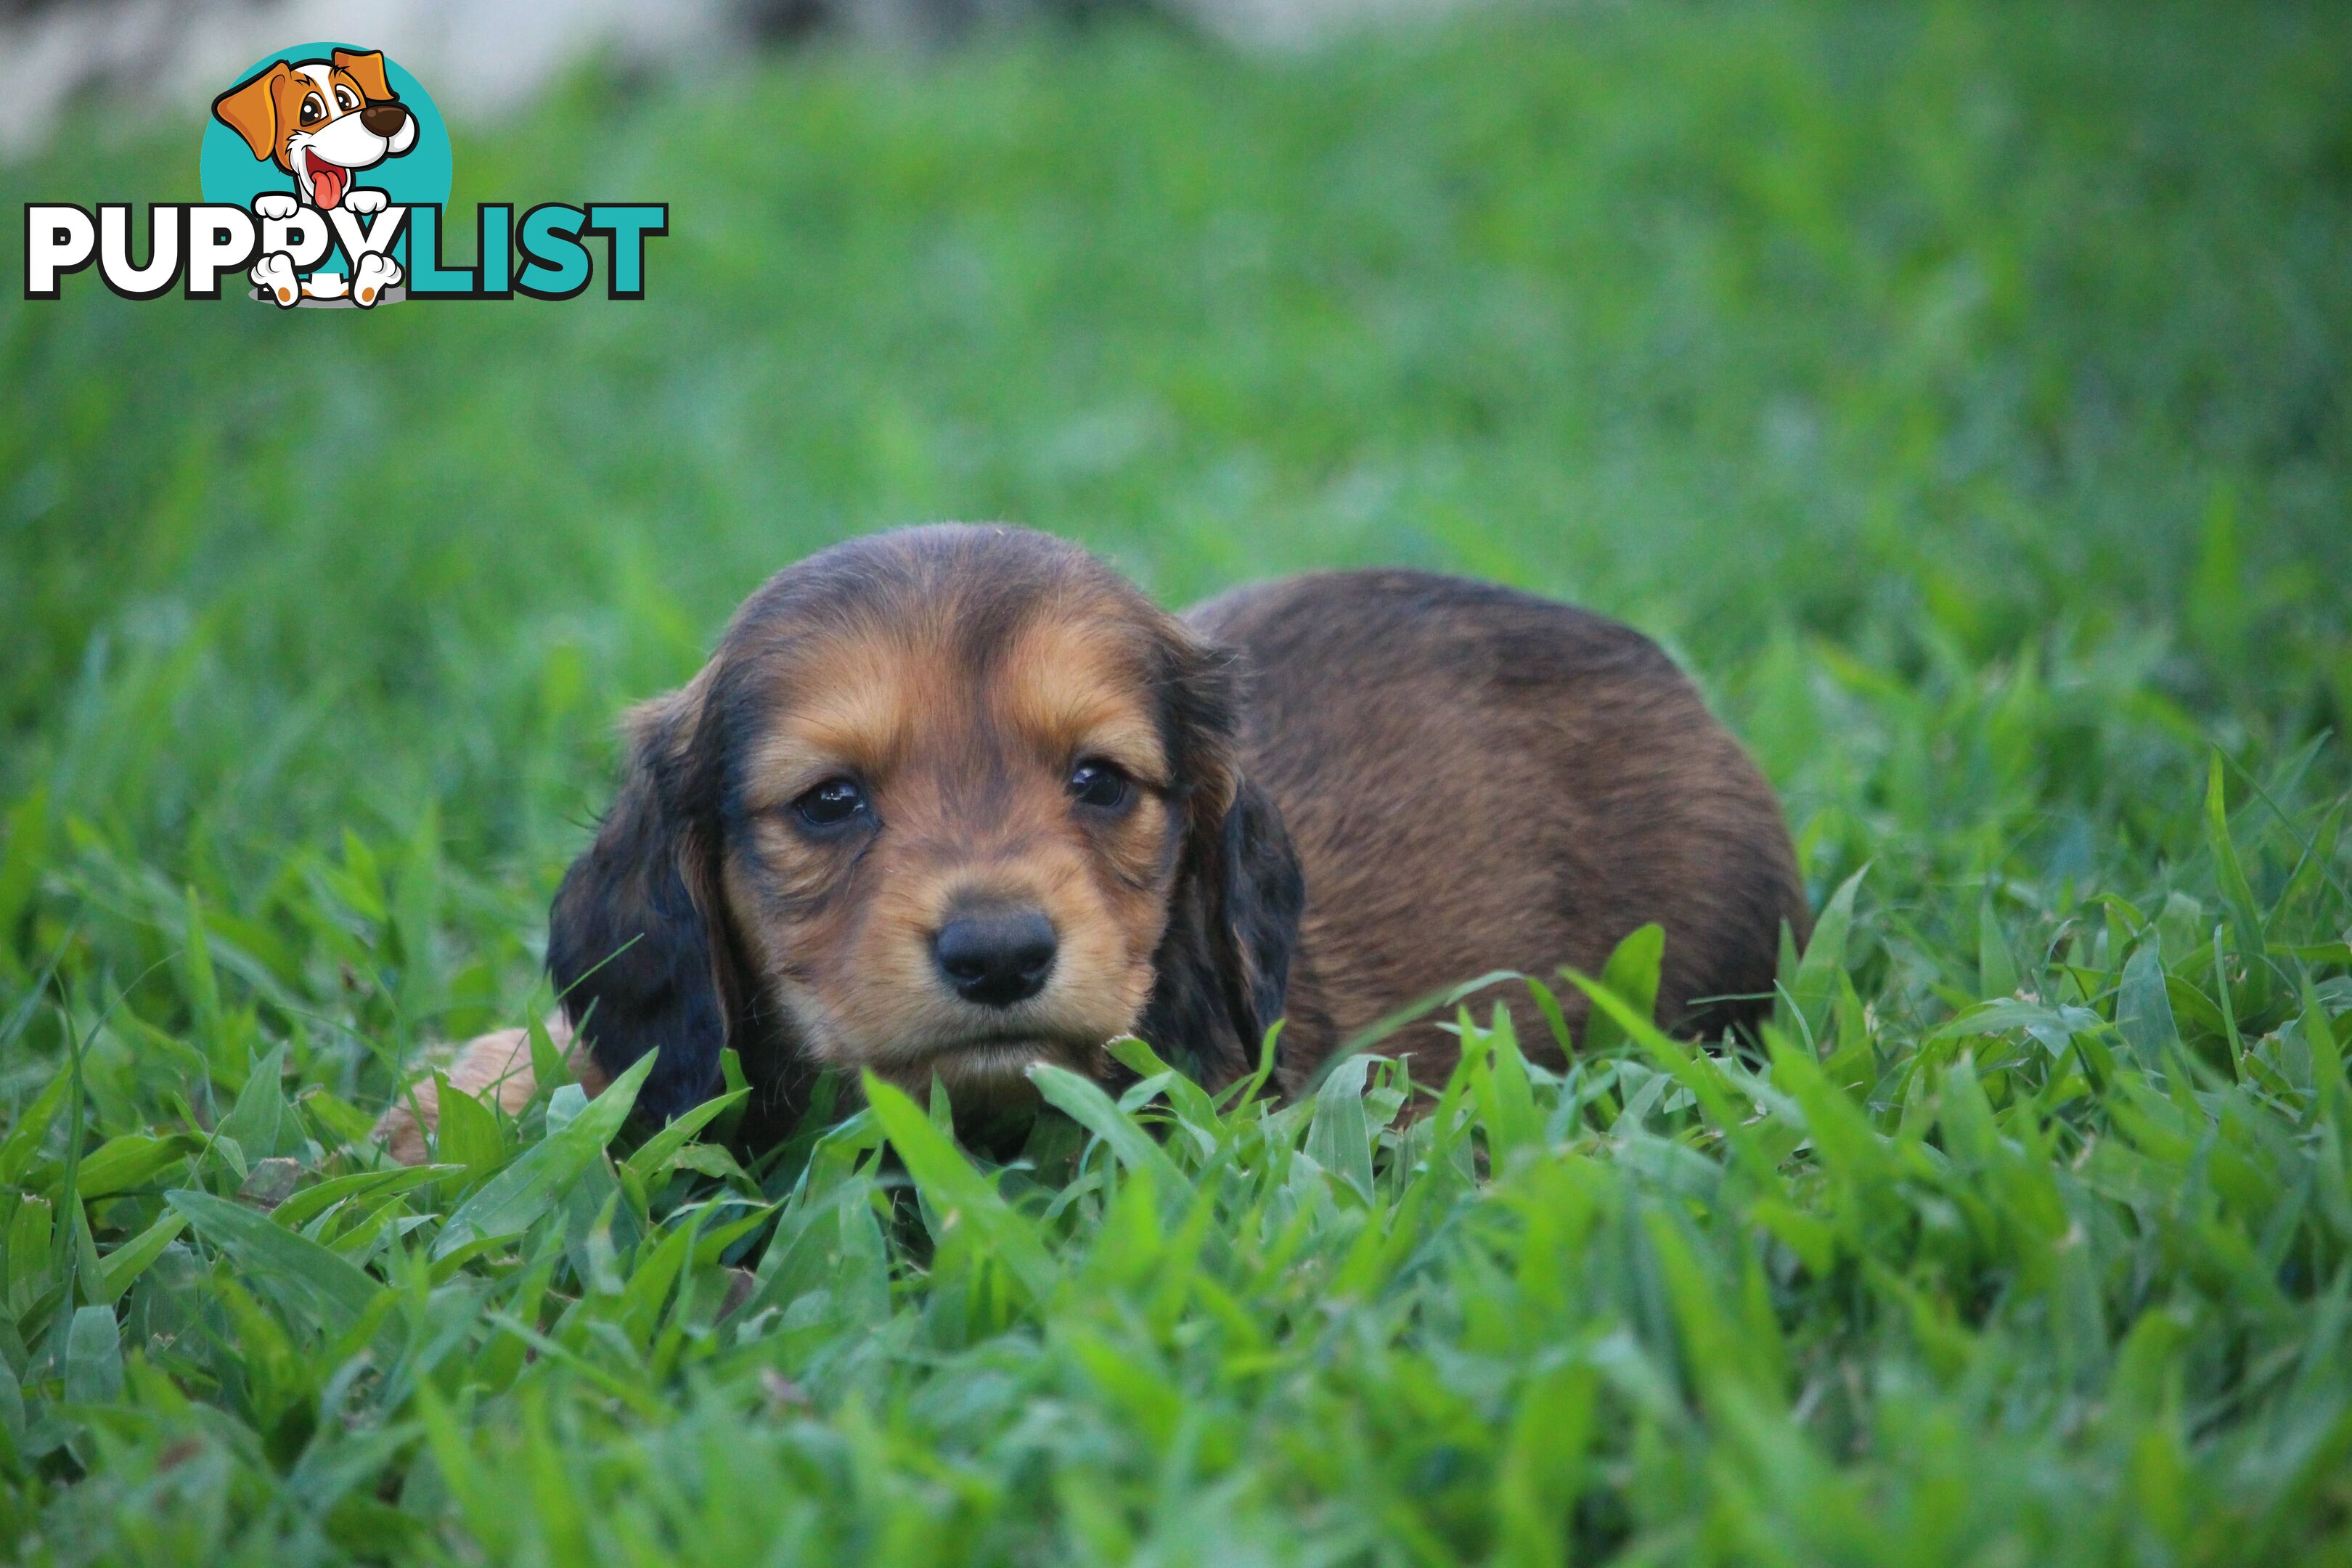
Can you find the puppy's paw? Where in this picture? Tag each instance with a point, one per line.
(376, 274)
(274, 274)
(364, 202)
(275, 205)
(494, 1067)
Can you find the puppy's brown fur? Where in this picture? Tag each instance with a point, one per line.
(1479, 779)
(1343, 792)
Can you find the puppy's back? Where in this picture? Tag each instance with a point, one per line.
(1475, 779)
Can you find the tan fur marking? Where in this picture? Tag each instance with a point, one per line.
(1068, 686)
(859, 716)
(500, 1062)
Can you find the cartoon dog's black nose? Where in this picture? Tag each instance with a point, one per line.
(996, 956)
(384, 119)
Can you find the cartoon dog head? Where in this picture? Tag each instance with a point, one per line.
(320, 121)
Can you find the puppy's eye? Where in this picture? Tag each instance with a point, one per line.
(313, 111)
(1099, 785)
(831, 804)
(344, 101)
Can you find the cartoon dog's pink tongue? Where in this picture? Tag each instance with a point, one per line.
(327, 180)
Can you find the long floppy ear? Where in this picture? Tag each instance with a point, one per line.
(1260, 894)
(250, 108)
(1223, 967)
(634, 941)
(369, 69)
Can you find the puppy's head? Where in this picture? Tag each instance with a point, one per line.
(320, 119)
(951, 800)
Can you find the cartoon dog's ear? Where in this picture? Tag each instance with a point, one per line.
(636, 939)
(250, 108)
(368, 70)
(1222, 971)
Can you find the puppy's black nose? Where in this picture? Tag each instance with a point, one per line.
(384, 119)
(996, 956)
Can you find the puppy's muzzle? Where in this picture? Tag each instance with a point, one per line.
(385, 119)
(996, 955)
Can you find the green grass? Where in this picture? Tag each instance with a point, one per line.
(1959, 391)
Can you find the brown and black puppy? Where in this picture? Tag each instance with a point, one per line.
(956, 800)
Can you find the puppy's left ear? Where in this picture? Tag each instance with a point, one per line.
(1259, 896)
(637, 941)
(1222, 971)
(250, 108)
(368, 70)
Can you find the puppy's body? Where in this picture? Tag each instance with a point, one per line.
(952, 801)
(1476, 779)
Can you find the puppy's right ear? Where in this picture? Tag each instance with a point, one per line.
(366, 67)
(250, 108)
(1222, 970)
(634, 941)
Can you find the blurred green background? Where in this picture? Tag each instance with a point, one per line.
(1955, 331)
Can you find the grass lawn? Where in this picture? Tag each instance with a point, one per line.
(1961, 391)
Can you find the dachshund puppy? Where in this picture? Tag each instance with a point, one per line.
(956, 800)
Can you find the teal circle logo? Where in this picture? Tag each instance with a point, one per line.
(317, 141)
